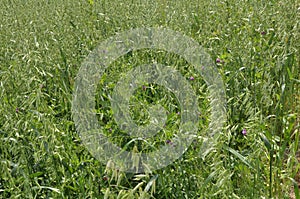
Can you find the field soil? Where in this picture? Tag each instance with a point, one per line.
(297, 178)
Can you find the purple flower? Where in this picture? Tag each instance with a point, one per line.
(244, 132)
(263, 33)
(192, 78)
(168, 142)
(17, 110)
(218, 60)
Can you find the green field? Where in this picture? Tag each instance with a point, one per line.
(255, 46)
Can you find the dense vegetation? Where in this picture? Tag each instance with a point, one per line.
(254, 45)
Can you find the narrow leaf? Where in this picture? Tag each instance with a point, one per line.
(237, 154)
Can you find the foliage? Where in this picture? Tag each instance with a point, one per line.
(255, 46)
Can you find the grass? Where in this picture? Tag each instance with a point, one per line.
(43, 45)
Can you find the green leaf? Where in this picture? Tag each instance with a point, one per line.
(45, 187)
(209, 178)
(91, 2)
(238, 155)
(266, 141)
(150, 183)
(37, 174)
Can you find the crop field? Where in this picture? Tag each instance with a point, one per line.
(227, 71)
